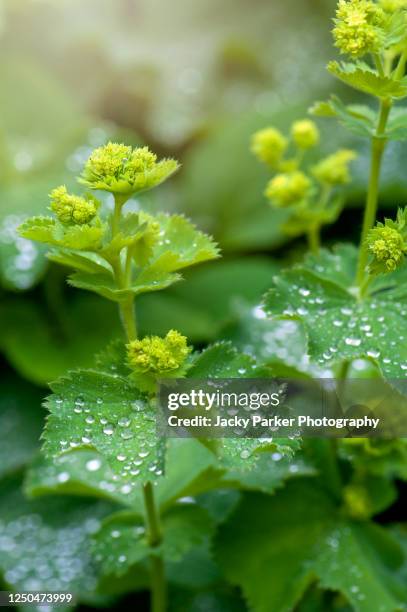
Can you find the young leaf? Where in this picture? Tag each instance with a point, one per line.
(222, 360)
(78, 237)
(363, 78)
(105, 412)
(357, 118)
(104, 284)
(122, 540)
(90, 263)
(40, 229)
(339, 325)
(181, 245)
(275, 561)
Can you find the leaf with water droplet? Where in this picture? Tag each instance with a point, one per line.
(271, 471)
(222, 360)
(281, 345)
(298, 535)
(243, 454)
(87, 472)
(45, 544)
(182, 244)
(87, 408)
(339, 325)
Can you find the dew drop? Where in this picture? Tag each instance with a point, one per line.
(93, 465)
(353, 341)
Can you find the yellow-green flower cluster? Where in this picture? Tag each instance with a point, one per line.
(305, 134)
(334, 169)
(357, 501)
(124, 171)
(155, 355)
(388, 247)
(71, 209)
(359, 27)
(288, 188)
(269, 146)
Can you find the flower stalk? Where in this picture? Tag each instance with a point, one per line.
(128, 319)
(377, 149)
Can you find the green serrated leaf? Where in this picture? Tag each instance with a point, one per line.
(278, 344)
(222, 360)
(78, 237)
(86, 472)
(272, 470)
(243, 454)
(105, 285)
(296, 535)
(91, 409)
(90, 263)
(365, 79)
(40, 229)
(81, 472)
(182, 245)
(130, 232)
(122, 541)
(339, 325)
(44, 544)
(357, 118)
(83, 237)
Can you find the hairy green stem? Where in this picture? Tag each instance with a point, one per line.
(378, 146)
(122, 275)
(117, 211)
(158, 588)
(128, 318)
(314, 240)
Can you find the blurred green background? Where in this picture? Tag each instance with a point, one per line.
(193, 80)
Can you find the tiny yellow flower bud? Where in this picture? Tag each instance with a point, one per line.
(125, 171)
(388, 248)
(359, 27)
(357, 501)
(72, 209)
(269, 146)
(334, 169)
(305, 134)
(156, 356)
(286, 189)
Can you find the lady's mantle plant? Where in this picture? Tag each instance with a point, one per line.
(111, 409)
(352, 303)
